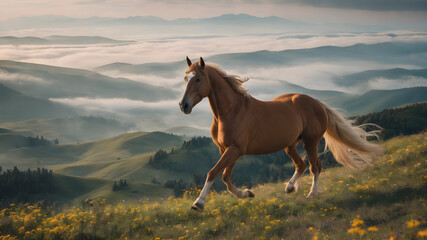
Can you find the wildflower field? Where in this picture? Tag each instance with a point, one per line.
(385, 201)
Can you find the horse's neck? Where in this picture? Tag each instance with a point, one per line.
(222, 98)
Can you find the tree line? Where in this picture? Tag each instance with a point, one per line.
(19, 185)
(119, 186)
(38, 141)
(406, 120)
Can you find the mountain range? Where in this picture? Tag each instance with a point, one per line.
(224, 24)
(59, 40)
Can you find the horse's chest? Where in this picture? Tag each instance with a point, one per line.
(224, 135)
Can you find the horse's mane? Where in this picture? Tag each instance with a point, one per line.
(234, 81)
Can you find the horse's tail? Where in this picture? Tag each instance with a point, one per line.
(348, 143)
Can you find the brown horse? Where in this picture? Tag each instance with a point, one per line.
(243, 125)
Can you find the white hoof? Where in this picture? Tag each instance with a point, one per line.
(312, 194)
(291, 187)
(198, 206)
(248, 193)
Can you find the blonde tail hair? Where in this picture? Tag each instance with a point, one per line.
(348, 143)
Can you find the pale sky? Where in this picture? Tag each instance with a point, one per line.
(367, 12)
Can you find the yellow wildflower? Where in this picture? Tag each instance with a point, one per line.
(412, 223)
(356, 230)
(373, 229)
(422, 233)
(357, 222)
(53, 222)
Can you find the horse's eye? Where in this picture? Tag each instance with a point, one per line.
(198, 80)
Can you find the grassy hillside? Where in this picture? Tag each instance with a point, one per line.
(386, 200)
(73, 190)
(70, 129)
(377, 100)
(123, 156)
(76, 189)
(128, 149)
(188, 131)
(16, 106)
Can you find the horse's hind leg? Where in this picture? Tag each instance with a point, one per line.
(226, 178)
(315, 164)
(292, 185)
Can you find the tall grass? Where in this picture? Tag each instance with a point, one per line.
(385, 201)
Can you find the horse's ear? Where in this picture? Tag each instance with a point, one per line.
(202, 63)
(188, 61)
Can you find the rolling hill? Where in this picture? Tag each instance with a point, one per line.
(68, 190)
(188, 131)
(16, 106)
(123, 156)
(377, 100)
(77, 189)
(70, 129)
(56, 82)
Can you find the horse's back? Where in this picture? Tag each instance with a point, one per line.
(311, 111)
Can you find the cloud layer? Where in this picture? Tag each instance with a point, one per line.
(147, 116)
(175, 49)
(18, 78)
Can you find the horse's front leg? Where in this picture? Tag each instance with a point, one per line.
(226, 178)
(229, 157)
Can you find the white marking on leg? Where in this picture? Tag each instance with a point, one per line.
(313, 191)
(202, 197)
(189, 76)
(293, 183)
(238, 192)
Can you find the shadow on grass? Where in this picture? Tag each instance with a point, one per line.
(371, 198)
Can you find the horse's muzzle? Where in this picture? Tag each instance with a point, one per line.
(185, 107)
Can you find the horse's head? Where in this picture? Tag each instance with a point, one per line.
(198, 86)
